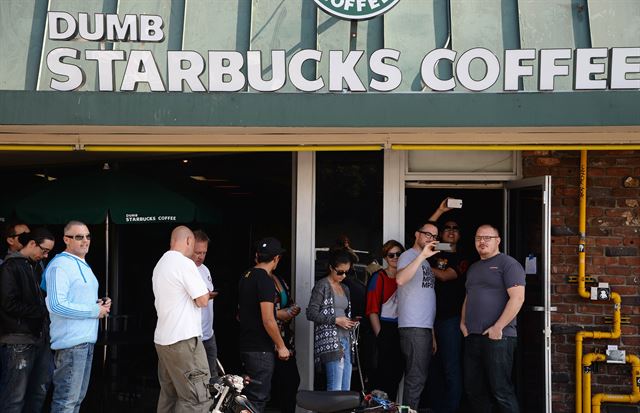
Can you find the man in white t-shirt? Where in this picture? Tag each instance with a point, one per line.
(179, 293)
(208, 336)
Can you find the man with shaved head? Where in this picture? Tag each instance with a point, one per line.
(180, 293)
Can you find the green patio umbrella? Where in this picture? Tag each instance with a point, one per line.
(110, 197)
(92, 198)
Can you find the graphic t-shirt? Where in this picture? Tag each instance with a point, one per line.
(450, 293)
(416, 298)
(255, 287)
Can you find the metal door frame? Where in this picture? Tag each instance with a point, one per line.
(544, 183)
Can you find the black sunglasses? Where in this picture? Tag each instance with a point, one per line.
(341, 272)
(79, 237)
(394, 255)
(451, 228)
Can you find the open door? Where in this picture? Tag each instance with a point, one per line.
(528, 239)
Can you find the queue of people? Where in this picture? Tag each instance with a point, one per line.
(56, 309)
(435, 318)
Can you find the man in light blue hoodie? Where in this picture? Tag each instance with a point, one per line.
(74, 308)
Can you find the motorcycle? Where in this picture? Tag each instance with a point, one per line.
(227, 394)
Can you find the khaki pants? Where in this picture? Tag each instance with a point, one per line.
(183, 373)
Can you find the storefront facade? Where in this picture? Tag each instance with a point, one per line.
(438, 89)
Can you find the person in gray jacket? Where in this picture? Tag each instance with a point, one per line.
(330, 309)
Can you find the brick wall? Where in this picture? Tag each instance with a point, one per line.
(613, 242)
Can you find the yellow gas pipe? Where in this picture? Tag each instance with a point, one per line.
(582, 291)
(587, 360)
(634, 397)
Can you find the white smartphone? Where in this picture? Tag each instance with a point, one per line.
(443, 246)
(454, 203)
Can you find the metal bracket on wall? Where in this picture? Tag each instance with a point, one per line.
(623, 320)
(573, 279)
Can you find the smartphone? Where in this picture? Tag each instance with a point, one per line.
(454, 203)
(443, 246)
(356, 318)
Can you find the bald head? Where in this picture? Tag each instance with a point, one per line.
(182, 240)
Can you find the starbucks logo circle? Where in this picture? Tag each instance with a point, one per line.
(356, 9)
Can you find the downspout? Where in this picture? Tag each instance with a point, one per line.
(634, 397)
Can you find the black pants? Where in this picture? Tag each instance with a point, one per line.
(286, 380)
(390, 362)
(488, 365)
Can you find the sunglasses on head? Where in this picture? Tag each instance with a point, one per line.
(341, 272)
(79, 237)
(394, 254)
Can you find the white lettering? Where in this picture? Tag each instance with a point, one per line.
(295, 71)
(55, 20)
(278, 71)
(620, 68)
(75, 75)
(393, 75)
(513, 70)
(548, 68)
(178, 74)
(224, 72)
(142, 68)
(105, 59)
(340, 70)
(151, 28)
(428, 70)
(83, 27)
(491, 76)
(127, 30)
(584, 68)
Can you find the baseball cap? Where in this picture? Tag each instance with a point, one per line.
(269, 246)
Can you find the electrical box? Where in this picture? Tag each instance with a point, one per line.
(601, 293)
(615, 355)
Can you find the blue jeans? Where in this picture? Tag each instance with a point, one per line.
(258, 365)
(25, 377)
(339, 371)
(416, 346)
(71, 377)
(445, 376)
(488, 365)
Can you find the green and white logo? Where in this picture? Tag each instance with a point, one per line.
(356, 9)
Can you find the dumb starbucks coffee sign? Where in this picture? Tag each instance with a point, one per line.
(356, 9)
(117, 69)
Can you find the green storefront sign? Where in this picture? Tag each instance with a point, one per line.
(356, 9)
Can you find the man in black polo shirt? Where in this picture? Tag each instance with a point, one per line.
(259, 333)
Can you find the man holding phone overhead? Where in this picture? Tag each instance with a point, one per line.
(450, 268)
(416, 311)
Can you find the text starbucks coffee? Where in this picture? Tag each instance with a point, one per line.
(232, 71)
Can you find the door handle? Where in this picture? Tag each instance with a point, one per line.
(541, 308)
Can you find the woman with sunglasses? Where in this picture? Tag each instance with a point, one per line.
(330, 309)
(382, 311)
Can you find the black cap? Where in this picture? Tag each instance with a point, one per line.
(269, 246)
